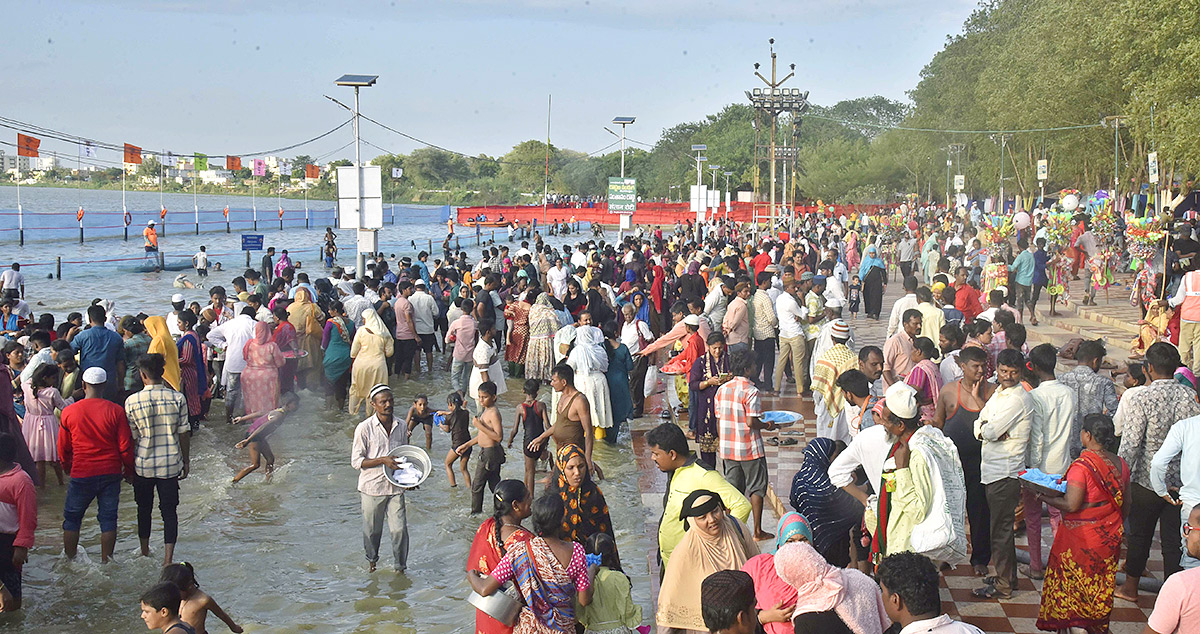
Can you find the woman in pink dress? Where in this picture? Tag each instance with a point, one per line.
(40, 426)
(260, 379)
(925, 377)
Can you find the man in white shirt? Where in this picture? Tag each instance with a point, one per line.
(356, 303)
(717, 300)
(374, 439)
(635, 332)
(909, 582)
(177, 304)
(904, 303)
(1177, 608)
(1049, 447)
(12, 282)
(906, 252)
(200, 262)
(232, 336)
(1003, 426)
(792, 337)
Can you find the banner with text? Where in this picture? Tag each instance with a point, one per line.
(622, 195)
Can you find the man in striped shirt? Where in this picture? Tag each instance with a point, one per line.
(743, 458)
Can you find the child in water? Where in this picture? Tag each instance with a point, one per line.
(458, 424)
(491, 453)
(265, 424)
(855, 296)
(160, 610)
(194, 604)
(531, 414)
(612, 608)
(420, 414)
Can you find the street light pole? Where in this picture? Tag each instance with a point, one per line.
(357, 82)
(774, 101)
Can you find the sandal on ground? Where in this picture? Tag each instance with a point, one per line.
(1029, 572)
(774, 442)
(989, 592)
(787, 442)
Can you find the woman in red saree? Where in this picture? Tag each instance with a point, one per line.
(550, 574)
(495, 537)
(1081, 575)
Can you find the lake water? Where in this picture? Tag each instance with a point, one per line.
(285, 556)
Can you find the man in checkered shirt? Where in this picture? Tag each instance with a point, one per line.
(159, 416)
(743, 459)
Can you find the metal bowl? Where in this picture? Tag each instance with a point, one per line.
(498, 605)
(417, 457)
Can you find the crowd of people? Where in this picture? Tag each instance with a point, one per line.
(916, 439)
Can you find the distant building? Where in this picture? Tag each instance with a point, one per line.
(11, 162)
(215, 177)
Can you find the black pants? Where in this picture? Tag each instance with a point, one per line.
(487, 474)
(168, 501)
(978, 514)
(906, 269)
(405, 349)
(764, 364)
(1003, 497)
(1147, 509)
(637, 382)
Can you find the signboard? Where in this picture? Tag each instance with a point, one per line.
(960, 182)
(349, 216)
(397, 172)
(252, 242)
(785, 153)
(699, 198)
(622, 195)
(1043, 168)
(1152, 159)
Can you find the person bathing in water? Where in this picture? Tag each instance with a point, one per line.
(265, 423)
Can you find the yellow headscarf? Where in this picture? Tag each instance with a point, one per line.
(162, 343)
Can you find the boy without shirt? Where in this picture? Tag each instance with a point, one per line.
(490, 436)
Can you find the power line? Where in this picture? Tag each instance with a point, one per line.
(51, 133)
(881, 126)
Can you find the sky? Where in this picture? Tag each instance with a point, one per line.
(235, 77)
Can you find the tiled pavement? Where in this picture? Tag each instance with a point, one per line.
(1017, 615)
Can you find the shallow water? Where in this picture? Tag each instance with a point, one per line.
(286, 556)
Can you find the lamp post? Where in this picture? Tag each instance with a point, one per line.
(727, 175)
(356, 82)
(623, 121)
(699, 149)
(773, 101)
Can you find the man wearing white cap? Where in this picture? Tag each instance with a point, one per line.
(374, 439)
(151, 237)
(96, 449)
(922, 480)
(829, 401)
(424, 313)
(177, 304)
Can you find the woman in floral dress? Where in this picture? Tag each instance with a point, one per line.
(539, 351)
(517, 311)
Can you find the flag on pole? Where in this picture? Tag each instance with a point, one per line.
(133, 154)
(233, 163)
(162, 215)
(397, 172)
(260, 167)
(169, 160)
(27, 145)
(87, 150)
(79, 214)
(312, 171)
(285, 168)
(201, 161)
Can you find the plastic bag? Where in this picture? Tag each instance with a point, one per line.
(651, 381)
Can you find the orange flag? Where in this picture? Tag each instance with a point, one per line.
(233, 163)
(133, 154)
(79, 214)
(312, 171)
(27, 145)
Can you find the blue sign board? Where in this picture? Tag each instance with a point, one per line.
(252, 242)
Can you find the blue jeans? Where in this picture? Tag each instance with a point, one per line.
(105, 489)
